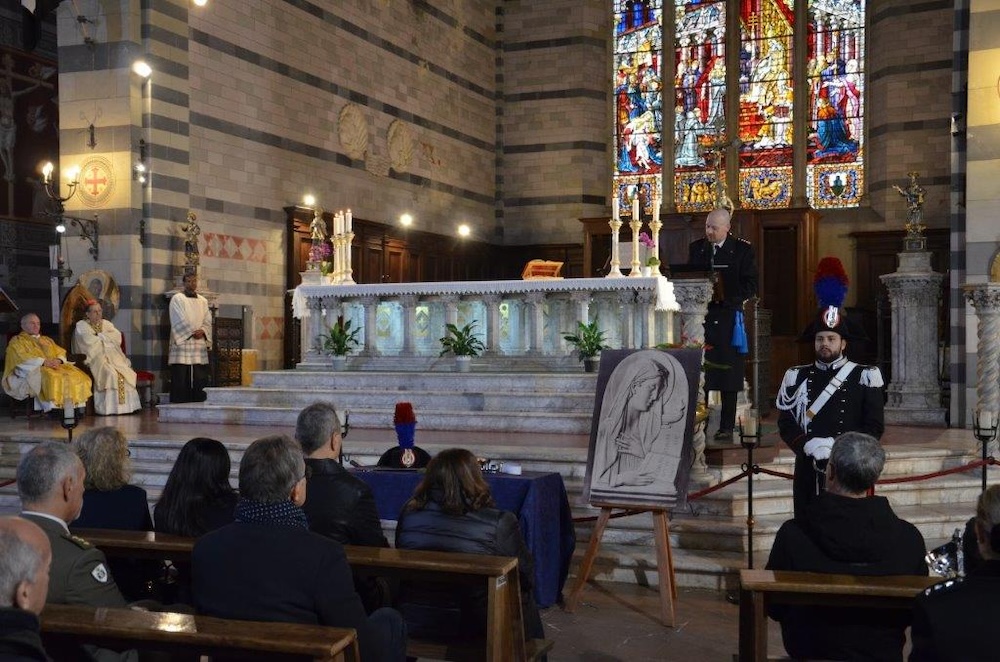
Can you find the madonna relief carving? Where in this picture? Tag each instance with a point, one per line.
(352, 128)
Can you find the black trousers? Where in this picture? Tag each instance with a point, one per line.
(188, 382)
(807, 483)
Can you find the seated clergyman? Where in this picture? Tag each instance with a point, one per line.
(35, 366)
(114, 379)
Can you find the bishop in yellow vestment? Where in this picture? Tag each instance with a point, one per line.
(35, 366)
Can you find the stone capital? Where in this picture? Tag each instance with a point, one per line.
(984, 297)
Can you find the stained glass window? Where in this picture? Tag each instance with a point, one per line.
(835, 76)
(766, 96)
(638, 100)
(699, 100)
(756, 68)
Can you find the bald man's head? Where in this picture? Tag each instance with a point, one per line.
(25, 556)
(717, 225)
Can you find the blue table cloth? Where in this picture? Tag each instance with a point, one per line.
(538, 499)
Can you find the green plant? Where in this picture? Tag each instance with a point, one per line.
(461, 342)
(653, 261)
(339, 339)
(589, 339)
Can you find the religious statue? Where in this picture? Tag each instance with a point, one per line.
(914, 196)
(318, 226)
(191, 231)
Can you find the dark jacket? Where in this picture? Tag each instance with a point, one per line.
(843, 535)
(952, 620)
(205, 516)
(734, 262)
(857, 406)
(124, 509)
(341, 506)
(19, 637)
(431, 610)
(286, 574)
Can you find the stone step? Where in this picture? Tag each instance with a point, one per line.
(530, 383)
(383, 402)
(535, 421)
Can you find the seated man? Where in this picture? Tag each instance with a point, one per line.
(25, 555)
(114, 379)
(50, 483)
(340, 506)
(845, 531)
(36, 367)
(268, 566)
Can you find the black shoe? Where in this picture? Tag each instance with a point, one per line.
(723, 435)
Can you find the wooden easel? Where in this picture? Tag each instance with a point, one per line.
(664, 557)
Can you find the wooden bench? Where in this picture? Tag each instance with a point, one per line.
(504, 639)
(759, 588)
(66, 627)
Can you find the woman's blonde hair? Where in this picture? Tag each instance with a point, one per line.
(104, 453)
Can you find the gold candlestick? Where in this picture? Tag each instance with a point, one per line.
(636, 225)
(654, 228)
(616, 272)
(348, 270)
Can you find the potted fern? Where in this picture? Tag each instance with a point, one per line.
(462, 343)
(588, 340)
(338, 341)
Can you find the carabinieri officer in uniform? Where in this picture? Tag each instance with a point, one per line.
(832, 395)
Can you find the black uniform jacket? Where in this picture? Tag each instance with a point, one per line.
(734, 262)
(843, 535)
(857, 406)
(953, 620)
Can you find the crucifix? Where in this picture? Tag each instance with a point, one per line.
(712, 150)
(8, 121)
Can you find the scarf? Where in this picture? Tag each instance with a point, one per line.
(284, 513)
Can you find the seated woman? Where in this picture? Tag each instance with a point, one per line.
(196, 499)
(452, 511)
(114, 379)
(110, 502)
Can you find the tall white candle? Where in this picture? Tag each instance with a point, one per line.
(656, 207)
(635, 206)
(614, 206)
(338, 223)
(349, 221)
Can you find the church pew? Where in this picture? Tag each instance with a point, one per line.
(759, 588)
(504, 629)
(66, 627)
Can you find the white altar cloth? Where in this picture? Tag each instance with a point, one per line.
(663, 288)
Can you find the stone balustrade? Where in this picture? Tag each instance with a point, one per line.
(514, 318)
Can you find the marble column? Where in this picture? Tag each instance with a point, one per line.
(914, 394)
(409, 304)
(693, 296)
(985, 298)
(370, 304)
(536, 303)
(492, 303)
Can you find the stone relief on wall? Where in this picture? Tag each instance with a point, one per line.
(400, 141)
(352, 128)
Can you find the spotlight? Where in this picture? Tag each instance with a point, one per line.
(309, 200)
(406, 220)
(200, 3)
(464, 230)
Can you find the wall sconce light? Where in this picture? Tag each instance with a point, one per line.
(464, 230)
(89, 228)
(140, 169)
(142, 68)
(406, 220)
(200, 3)
(309, 200)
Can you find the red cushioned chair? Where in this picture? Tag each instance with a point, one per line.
(143, 382)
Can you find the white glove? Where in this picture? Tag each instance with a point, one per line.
(819, 447)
